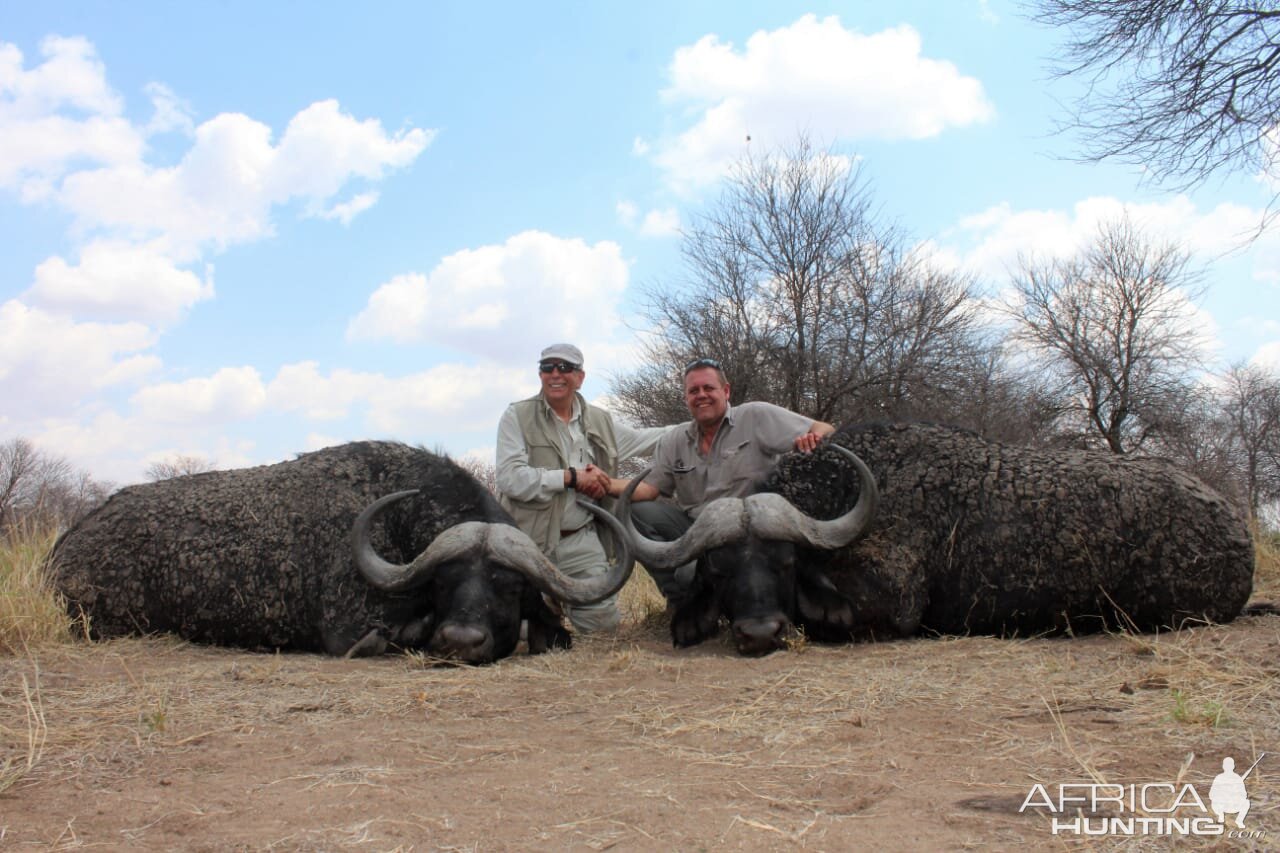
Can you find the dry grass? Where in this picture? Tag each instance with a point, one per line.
(1266, 572)
(31, 610)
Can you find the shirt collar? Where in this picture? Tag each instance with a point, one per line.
(575, 413)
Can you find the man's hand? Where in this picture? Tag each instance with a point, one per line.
(806, 442)
(593, 482)
(818, 430)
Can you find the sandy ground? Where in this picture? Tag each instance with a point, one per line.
(625, 743)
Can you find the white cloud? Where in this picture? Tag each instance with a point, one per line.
(503, 302)
(48, 362)
(171, 112)
(223, 190)
(231, 394)
(57, 115)
(661, 223)
(301, 387)
(448, 397)
(346, 211)
(118, 281)
(319, 441)
(815, 76)
(655, 223)
(1268, 355)
(71, 76)
(445, 397)
(627, 213)
(322, 148)
(988, 243)
(117, 448)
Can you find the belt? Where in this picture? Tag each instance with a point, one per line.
(565, 534)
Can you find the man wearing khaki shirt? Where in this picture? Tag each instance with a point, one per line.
(723, 452)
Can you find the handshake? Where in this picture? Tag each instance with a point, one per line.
(592, 481)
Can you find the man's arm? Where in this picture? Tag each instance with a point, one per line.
(634, 441)
(644, 491)
(516, 477)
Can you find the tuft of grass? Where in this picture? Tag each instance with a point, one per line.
(13, 769)
(1211, 714)
(796, 641)
(1266, 565)
(155, 719)
(639, 600)
(31, 610)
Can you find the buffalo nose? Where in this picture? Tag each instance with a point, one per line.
(461, 637)
(761, 635)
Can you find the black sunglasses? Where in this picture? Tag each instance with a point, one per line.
(702, 362)
(562, 366)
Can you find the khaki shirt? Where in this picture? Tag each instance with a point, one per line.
(745, 449)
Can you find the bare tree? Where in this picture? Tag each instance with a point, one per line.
(1186, 88)
(805, 302)
(1002, 400)
(1114, 324)
(178, 465)
(1251, 411)
(38, 487)
(1198, 437)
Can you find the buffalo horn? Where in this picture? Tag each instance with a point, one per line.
(501, 543)
(766, 515)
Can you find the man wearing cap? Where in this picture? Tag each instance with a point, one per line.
(552, 446)
(723, 452)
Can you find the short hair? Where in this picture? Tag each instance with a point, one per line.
(700, 363)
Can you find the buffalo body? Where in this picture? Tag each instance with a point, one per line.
(262, 558)
(985, 538)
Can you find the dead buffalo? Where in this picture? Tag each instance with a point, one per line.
(286, 556)
(984, 538)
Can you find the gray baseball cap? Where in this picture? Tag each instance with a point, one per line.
(564, 352)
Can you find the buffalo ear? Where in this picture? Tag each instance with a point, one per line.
(696, 619)
(824, 611)
(546, 630)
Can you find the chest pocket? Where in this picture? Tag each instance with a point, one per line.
(739, 470)
(690, 484)
(542, 453)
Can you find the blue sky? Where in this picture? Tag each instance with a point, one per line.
(241, 230)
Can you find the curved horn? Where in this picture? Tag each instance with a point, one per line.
(509, 546)
(502, 543)
(773, 517)
(397, 577)
(722, 521)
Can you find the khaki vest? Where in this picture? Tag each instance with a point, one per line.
(541, 519)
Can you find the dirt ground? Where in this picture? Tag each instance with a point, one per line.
(625, 743)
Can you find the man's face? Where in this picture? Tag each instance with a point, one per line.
(561, 382)
(706, 396)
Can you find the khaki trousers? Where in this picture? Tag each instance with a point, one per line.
(580, 555)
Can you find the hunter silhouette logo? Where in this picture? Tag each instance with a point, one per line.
(1227, 794)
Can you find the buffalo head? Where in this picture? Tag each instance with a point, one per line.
(482, 579)
(751, 569)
